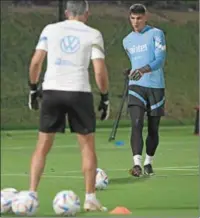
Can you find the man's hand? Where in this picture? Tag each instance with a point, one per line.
(104, 106)
(135, 74)
(138, 73)
(33, 101)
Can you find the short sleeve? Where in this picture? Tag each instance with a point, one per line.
(43, 40)
(98, 47)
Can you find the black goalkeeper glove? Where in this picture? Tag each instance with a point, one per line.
(136, 75)
(104, 106)
(34, 94)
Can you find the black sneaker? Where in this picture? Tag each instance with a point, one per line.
(136, 171)
(148, 170)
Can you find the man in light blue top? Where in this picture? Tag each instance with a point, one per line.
(146, 49)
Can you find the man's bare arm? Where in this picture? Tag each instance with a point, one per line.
(36, 66)
(101, 77)
(34, 75)
(101, 74)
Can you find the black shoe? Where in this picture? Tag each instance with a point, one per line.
(136, 171)
(148, 170)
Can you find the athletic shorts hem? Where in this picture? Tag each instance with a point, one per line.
(137, 104)
(51, 131)
(82, 132)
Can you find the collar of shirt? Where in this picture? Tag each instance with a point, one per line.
(74, 21)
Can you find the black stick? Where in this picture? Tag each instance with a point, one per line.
(60, 10)
(117, 119)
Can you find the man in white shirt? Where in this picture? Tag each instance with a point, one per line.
(69, 46)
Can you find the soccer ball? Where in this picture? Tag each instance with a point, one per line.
(25, 203)
(101, 179)
(66, 203)
(7, 195)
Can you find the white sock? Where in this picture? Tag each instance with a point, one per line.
(90, 196)
(148, 159)
(137, 159)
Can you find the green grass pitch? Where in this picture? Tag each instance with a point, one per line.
(172, 192)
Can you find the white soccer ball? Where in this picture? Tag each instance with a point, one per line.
(7, 195)
(66, 203)
(25, 203)
(101, 179)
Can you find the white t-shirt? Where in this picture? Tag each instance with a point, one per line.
(70, 45)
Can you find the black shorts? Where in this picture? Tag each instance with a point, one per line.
(78, 107)
(152, 99)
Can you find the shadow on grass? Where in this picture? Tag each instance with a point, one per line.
(128, 180)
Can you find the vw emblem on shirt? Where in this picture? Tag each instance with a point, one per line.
(70, 44)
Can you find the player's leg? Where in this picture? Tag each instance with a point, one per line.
(152, 142)
(82, 121)
(156, 99)
(89, 160)
(52, 120)
(137, 106)
(89, 166)
(137, 122)
(44, 144)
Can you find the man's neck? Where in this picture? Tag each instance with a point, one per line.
(142, 29)
(79, 19)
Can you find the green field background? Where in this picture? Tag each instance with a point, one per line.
(20, 29)
(172, 192)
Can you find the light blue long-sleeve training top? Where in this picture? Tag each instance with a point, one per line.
(147, 47)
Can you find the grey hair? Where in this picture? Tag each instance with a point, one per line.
(77, 8)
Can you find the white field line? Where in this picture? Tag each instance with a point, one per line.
(80, 177)
(175, 168)
(184, 168)
(46, 176)
(176, 175)
(107, 129)
(12, 147)
(50, 175)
